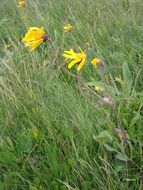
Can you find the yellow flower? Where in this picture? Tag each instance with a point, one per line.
(68, 27)
(77, 58)
(96, 62)
(34, 37)
(99, 89)
(21, 4)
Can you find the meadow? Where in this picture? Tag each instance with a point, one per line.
(61, 129)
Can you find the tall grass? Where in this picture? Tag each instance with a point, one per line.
(51, 137)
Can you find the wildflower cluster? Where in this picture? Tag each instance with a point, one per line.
(35, 36)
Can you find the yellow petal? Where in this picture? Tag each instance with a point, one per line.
(34, 33)
(34, 45)
(33, 28)
(72, 63)
(69, 56)
(95, 62)
(68, 28)
(21, 4)
(71, 51)
(81, 65)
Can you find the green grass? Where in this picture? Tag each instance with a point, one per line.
(51, 137)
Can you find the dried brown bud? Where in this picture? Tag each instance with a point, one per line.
(107, 101)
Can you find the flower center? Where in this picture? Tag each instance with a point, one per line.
(45, 38)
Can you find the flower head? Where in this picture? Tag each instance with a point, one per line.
(76, 58)
(96, 62)
(99, 89)
(34, 37)
(21, 4)
(68, 28)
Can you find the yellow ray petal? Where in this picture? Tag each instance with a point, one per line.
(95, 62)
(71, 51)
(69, 56)
(34, 45)
(72, 63)
(81, 65)
(34, 33)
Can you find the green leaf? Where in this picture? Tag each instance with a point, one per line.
(127, 76)
(103, 137)
(95, 83)
(35, 132)
(127, 179)
(122, 157)
(31, 187)
(109, 148)
(10, 143)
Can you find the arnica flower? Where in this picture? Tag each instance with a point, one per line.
(34, 37)
(76, 58)
(68, 28)
(96, 62)
(99, 89)
(21, 4)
